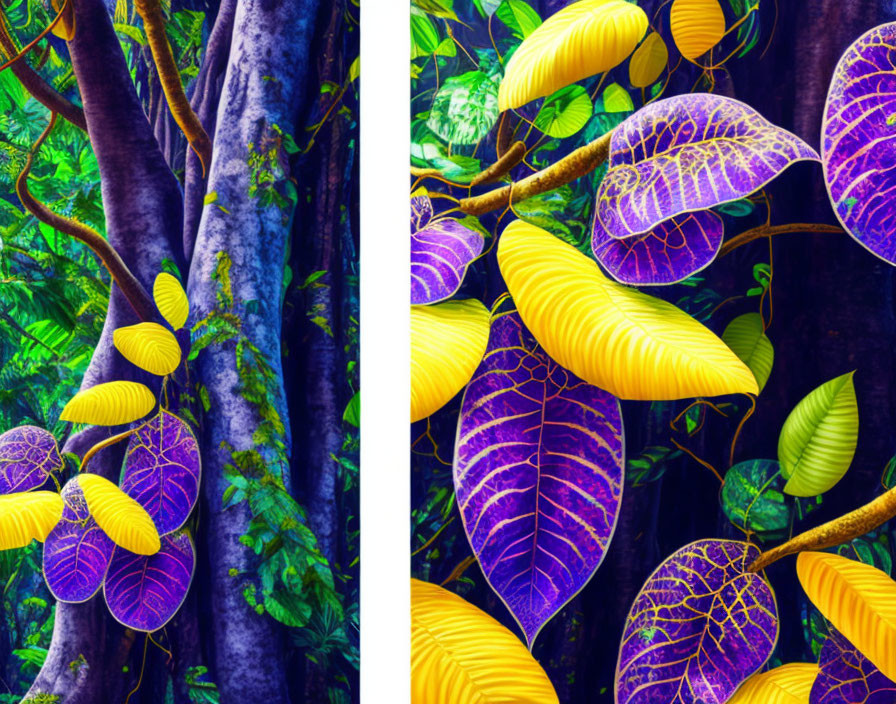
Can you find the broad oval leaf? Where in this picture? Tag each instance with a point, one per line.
(845, 676)
(860, 600)
(787, 684)
(28, 516)
(648, 61)
(660, 164)
(144, 592)
(171, 300)
(581, 40)
(565, 112)
(746, 337)
(28, 456)
(162, 469)
(633, 345)
(447, 342)
(76, 557)
(700, 626)
(440, 255)
(124, 520)
(465, 108)
(857, 140)
(696, 26)
(818, 439)
(538, 474)
(112, 403)
(150, 346)
(752, 499)
(461, 654)
(671, 252)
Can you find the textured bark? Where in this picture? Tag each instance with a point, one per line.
(265, 85)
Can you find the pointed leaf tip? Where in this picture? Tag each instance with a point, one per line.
(150, 346)
(171, 300)
(122, 518)
(112, 403)
(28, 516)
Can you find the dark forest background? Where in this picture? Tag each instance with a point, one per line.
(833, 311)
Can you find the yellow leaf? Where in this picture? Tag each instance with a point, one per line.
(171, 300)
(150, 346)
(447, 343)
(633, 345)
(860, 600)
(697, 26)
(648, 61)
(124, 520)
(113, 403)
(581, 40)
(355, 69)
(28, 516)
(461, 655)
(65, 27)
(787, 684)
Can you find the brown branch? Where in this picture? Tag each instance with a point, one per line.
(32, 81)
(840, 530)
(580, 162)
(154, 26)
(121, 275)
(513, 156)
(769, 230)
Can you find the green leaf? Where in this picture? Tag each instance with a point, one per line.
(424, 34)
(287, 608)
(465, 108)
(519, 17)
(617, 99)
(747, 339)
(565, 112)
(751, 497)
(352, 413)
(818, 439)
(737, 208)
(439, 8)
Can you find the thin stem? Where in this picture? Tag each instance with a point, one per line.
(851, 525)
(740, 427)
(150, 12)
(121, 275)
(767, 231)
(575, 165)
(698, 460)
(104, 444)
(33, 43)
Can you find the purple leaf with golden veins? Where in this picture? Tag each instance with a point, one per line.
(440, 255)
(421, 209)
(538, 474)
(162, 470)
(687, 153)
(144, 592)
(845, 676)
(671, 252)
(858, 141)
(699, 627)
(28, 456)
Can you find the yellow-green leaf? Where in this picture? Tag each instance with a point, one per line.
(113, 403)
(28, 516)
(633, 345)
(581, 40)
(746, 337)
(860, 600)
(787, 684)
(447, 343)
(648, 61)
(150, 346)
(460, 655)
(124, 520)
(355, 69)
(696, 25)
(171, 300)
(818, 439)
(565, 112)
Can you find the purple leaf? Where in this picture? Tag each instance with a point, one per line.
(162, 470)
(538, 474)
(144, 592)
(686, 153)
(421, 210)
(674, 250)
(700, 626)
(440, 255)
(28, 455)
(858, 140)
(845, 676)
(76, 556)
